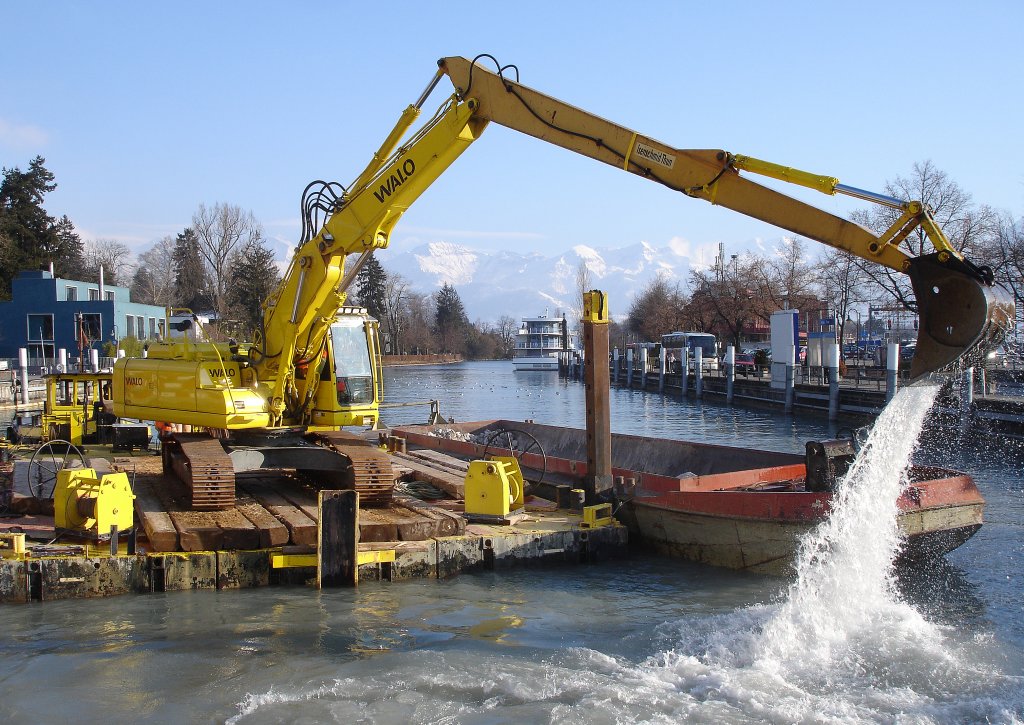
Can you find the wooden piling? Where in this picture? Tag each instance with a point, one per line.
(338, 537)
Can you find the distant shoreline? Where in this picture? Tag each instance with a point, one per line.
(435, 359)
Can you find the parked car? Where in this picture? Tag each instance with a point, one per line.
(745, 364)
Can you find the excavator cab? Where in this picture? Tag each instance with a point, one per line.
(962, 313)
(349, 389)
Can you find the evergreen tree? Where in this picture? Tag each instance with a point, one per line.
(191, 283)
(29, 237)
(450, 320)
(371, 283)
(254, 276)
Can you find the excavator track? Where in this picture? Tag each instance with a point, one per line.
(371, 472)
(205, 467)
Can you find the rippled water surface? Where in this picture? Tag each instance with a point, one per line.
(641, 640)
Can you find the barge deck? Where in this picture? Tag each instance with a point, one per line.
(270, 537)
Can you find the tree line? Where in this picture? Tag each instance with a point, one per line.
(416, 323)
(742, 291)
(221, 264)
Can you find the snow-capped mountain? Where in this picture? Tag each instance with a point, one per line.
(492, 284)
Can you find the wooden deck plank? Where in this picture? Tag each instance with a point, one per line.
(448, 481)
(446, 523)
(239, 533)
(302, 528)
(159, 528)
(197, 530)
(271, 531)
(444, 460)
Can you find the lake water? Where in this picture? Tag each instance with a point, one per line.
(639, 640)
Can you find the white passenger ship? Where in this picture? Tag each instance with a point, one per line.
(541, 341)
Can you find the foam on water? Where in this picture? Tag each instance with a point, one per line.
(842, 645)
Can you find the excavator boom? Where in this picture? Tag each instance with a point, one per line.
(961, 310)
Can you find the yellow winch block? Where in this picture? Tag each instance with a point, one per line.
(83, 502)
(597, 516)
(494, 487)
(12, 546)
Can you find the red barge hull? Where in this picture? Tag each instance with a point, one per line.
(726, 506)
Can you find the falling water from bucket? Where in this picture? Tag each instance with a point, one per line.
(844, 587)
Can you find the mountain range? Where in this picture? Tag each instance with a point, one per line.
(491, 284)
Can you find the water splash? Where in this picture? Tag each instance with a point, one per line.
(844, 585)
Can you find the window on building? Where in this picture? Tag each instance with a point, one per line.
(128, 326)
(92, 327)
(109, 294)
(152, 327)
(94, 294)
(40, 354)
(71, 293)
(40, 327)
(140, 327)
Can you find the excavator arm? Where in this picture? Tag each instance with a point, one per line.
(960, 309)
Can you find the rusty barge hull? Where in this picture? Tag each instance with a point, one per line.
(726, 506)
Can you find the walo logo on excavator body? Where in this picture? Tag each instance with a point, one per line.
(388, 187)
(133, 381)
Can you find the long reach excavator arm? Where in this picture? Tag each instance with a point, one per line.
(960, 308)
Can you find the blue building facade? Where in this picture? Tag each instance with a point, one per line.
(47, 314)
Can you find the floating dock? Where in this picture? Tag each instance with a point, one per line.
(275, 532)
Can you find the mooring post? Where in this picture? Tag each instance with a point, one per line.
(698, 372)
(23, 373)
(599, 426)
(967, 399)
(661, 371)
(337, 539)
(643, 368)
(832, 362)
(615, 365)
(629, 368)
(790, 362)
(892, 369)
(684, 360)
(730, 372)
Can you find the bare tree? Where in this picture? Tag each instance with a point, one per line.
(506, 331)
(842, 284)
(394, 303)
(1004, 253)
(158, 281)
(725, 300)
(222, 232)
(788, 276)
(658, 309)
(114, 257)
(964, 225)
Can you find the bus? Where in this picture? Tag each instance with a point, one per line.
(675, 342)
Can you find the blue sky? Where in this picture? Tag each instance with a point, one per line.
(144, 111)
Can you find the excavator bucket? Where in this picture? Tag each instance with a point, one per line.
(961, 317)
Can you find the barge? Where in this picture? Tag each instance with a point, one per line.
(726, 506)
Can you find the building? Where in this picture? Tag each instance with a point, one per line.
(47, 314)
(541, 343)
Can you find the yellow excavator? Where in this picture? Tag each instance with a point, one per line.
(282, 400)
